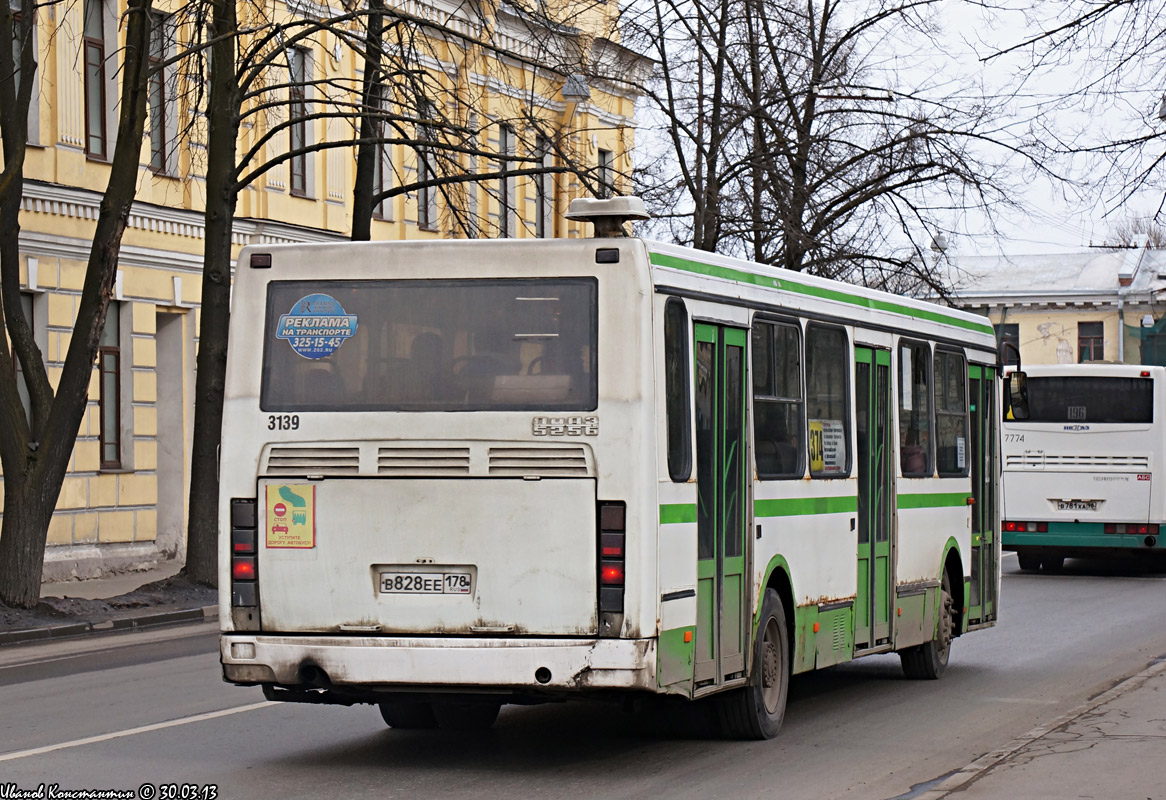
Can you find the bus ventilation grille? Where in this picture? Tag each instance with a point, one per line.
(313, 461)
(838, 642)
(538, 461)
(423, 461)
(1044, 460)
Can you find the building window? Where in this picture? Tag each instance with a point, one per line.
(779, 441)
(159, 102)
(298, 109)
(1090, 341)
(606, 178)
(544, 190)
(951, 414)
(382, 168)
(676, 363)
(21, 382)
(96, 144)
(828, 401)
(17, 50)
(1009, 333)
(915, 409)
(426, 194)
(109, 364)
(505, 184)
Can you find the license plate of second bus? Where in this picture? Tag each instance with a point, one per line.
(1076, 505)
(453, 582)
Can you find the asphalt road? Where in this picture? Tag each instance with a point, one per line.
(117, 712)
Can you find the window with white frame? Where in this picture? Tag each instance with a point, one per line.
(544, 190)
(26, 305)
(96, 141)
(506, 187)
(382, 168)
(606, 175)
(17, 52)
(162, 118)
(298, 69)
(109, 387)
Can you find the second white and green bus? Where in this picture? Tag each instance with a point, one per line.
(461, 474)
(1085, 471)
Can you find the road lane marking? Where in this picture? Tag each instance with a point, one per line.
(157, 726)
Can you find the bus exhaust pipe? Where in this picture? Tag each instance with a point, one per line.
(1150, 541)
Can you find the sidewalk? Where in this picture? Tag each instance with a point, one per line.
(1109, 747)
(112, 603)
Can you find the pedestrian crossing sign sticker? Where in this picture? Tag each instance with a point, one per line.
(291, 516)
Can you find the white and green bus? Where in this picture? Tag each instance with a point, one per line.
(460, 474)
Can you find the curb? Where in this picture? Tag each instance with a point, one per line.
(52, 632)
(963, 778)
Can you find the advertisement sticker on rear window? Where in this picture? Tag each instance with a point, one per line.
(291, 516)
(316, 326)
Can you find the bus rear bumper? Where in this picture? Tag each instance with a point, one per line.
(419, 664)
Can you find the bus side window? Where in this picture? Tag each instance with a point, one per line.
(915, 409)
(828, 401)
(779, 441)
(676, 390)
(951, 414)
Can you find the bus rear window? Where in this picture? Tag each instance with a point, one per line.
(1090, 399)
(489, 345)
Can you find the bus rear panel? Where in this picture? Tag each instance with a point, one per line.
(1083, 474)
(474, 537)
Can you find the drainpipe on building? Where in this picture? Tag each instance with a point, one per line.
(1121, 329)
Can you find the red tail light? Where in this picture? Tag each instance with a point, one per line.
(243, 568)
(1010, 527)
(244, 559)
(612, 552)
(1139, 528)
(611, 574)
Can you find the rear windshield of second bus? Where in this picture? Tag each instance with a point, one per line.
(432, 345)
(1072, 399)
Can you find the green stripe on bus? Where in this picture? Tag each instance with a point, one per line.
(826, 293)
(799, 506)
(944, 500)
(677, 512)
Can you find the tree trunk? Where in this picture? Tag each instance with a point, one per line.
(35, 462)
(368, 152)
(222, 195)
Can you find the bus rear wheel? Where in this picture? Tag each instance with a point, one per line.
(1028, 561)
(757, 711)
(408, 715)
(471, 715)
(929, 661)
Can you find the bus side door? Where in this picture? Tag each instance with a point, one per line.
(721, 504)
(982, 405)
(872, 605)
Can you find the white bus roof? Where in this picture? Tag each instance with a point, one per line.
(689, 270)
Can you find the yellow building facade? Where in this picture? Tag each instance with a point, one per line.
(123, 502)
(1103, 306)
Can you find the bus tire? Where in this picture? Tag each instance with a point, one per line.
(473, 715)
(408, 715)
(929, 661)
(1028, 562)
(757, 711)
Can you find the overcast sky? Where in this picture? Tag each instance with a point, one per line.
(1059, 217)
